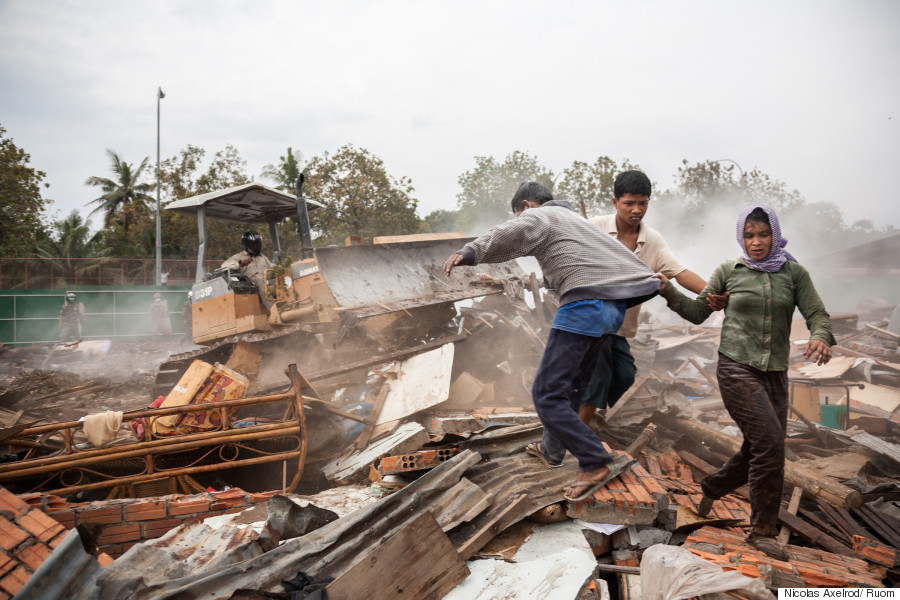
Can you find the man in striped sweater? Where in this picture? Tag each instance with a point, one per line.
(596, 279)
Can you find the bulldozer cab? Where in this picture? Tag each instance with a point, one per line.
(226, 302)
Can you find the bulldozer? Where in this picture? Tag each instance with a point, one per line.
(334, 304)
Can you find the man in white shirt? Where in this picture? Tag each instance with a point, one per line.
(615, 372)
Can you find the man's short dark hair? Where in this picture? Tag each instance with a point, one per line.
(530, 191)
(632, 182)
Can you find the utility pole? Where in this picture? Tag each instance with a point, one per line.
(159, 96)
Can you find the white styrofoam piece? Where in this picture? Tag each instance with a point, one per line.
(552, 564)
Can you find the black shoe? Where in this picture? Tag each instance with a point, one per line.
(705, 506)
(769, 546)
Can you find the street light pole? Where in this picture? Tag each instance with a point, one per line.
(159, 96)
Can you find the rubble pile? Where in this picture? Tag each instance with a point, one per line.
(418, 455)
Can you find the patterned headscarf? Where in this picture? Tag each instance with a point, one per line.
(777, 255)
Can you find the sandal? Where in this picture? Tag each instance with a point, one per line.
(534, 449)
(616, 467)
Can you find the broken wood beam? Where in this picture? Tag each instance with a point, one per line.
(363, 440)
(812, 427)
(712, 380)
(794, 504)
(518, 508)
(814, 484)
(638, 384)
(881, 523)
(813, 535)
(642, 441)
(843, 520)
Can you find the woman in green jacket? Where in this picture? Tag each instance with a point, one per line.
(763, 286)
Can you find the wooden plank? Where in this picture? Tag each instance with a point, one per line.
(811, 534)
(363, 440)
(418, 237)
(536, 296)
(793, 505)
(845, 521)
(416, 562)
(712, 380)
(518, 508)
(880, 526)
(826, 527)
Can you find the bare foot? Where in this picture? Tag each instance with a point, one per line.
(585, 480)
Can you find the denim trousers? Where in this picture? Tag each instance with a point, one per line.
(567, 365)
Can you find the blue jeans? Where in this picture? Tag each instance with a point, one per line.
(568, 362)
(613, 375)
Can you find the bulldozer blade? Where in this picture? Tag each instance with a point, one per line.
(382, 278)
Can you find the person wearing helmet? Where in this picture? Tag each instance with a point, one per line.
(252, 263)
(187, 318)
(159, 316)
(70, 316)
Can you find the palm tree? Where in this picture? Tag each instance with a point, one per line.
(287, 172)
(121, 192)
(73, 240)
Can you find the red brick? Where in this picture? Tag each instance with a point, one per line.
(12, 503)
(236, 509)
(104, 559)
(155, 529)
(41, 526)
(10, 535)
(54, 503)
(145, 511)
(118, 534)
(66, 518)
(109, 515)
(188, 507)
(230, 494)
(263, 496)
(229, 501)
(113, 550)
(4, 596)
(13, 582)
(34, 499)
(33, 555)
(214, 513)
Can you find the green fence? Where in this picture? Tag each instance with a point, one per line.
(32, 316)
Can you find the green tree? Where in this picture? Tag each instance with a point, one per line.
(715, 185)
(486, 190)
(359, 196)
(21, 204)
(443, 221)
(591, 183)
(69, 244)
(183, 176)
(286, 173)
(124, 194)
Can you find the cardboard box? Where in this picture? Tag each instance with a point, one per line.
(183, 393)
(222, 384)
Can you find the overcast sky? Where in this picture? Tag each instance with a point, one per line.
(807, 92)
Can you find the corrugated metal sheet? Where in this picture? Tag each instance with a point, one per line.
(329, 550)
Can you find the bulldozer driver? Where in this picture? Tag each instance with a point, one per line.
(252, 263)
